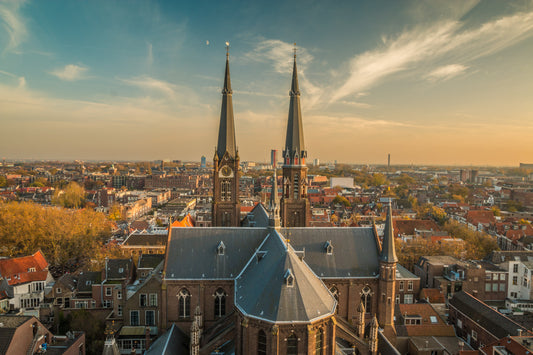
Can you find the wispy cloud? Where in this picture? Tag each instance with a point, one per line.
(446, 72)
(447, 39)
(148, 83)
(278, 53)
(8, 74)
(71, 72)
(13, 23)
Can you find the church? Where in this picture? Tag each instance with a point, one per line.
(277, 286)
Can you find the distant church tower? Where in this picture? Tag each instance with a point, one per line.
(226, 206)
(295, 210)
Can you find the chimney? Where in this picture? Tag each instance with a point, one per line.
(519, 332)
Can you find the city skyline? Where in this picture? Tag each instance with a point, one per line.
(438, 83)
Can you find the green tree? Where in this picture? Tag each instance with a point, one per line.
(378, 179)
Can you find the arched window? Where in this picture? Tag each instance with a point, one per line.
(220, 303)
(261, 343)
(319, 342)
(366, 297)
(184, 303)
(335, 294)
(292, 345)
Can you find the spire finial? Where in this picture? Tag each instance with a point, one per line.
(295, 49)
(227, 49)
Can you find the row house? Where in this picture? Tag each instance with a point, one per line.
(24, 280)
(485, 280)
(478, 323)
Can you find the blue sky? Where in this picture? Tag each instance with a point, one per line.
(431, 82)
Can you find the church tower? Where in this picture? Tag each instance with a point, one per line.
(226, 206)
(295, 210)
(387, 278)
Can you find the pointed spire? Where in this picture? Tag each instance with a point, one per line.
(226, 130)
(294, 153)
(388, 251)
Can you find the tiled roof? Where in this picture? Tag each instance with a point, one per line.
(432, 295)
(10, 325)
(139, 225)
(187, 221)
(480, 216)
(118, 268)
(408, 226)
(431, 324)
(17, 270)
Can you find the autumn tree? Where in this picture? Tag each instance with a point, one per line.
(66, 237)
(73, 196)
(341, 200)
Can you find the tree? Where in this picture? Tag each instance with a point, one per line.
(378, 179)
(66, 237)
(73, 196)
(3, 181)
(342, 200)
(496, 211)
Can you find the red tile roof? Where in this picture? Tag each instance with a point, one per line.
(480, 216)
(16, 270)
(408, 226)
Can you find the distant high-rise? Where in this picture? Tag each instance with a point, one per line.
(316, 162)
(203, 162)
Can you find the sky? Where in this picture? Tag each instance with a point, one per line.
(430, 82)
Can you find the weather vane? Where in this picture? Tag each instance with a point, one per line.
(295, 49)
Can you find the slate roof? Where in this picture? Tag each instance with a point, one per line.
(493, 321)
(87, 278)
(257, 217)
(355, 250)
(502, 256)
(145, 240)
(194, 254)
(150, 261)
(294, 142)
(388, 252)
(262, 290)
(113, 268)
(173, 341)
(10, 325)
(403, 273)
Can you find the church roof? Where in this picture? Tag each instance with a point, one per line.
(226, 130)
(278, 286)
(355, 250)
(194, 252)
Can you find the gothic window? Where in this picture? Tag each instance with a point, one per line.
(261, 343)
(366, 297)
(287, 185)
(319, 340)
(335, 294)
(225, 190)
(184, 303)
(220, 303)
(292, 345)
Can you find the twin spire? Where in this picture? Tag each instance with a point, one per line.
(294, 152)
(226, 130)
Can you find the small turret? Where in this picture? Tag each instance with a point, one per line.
(361, 321)
(373, 336)
(195, 339)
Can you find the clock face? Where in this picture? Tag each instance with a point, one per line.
(226, 171)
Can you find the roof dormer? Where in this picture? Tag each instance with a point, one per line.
(221, 248)
(328, 246)
(289, 278)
